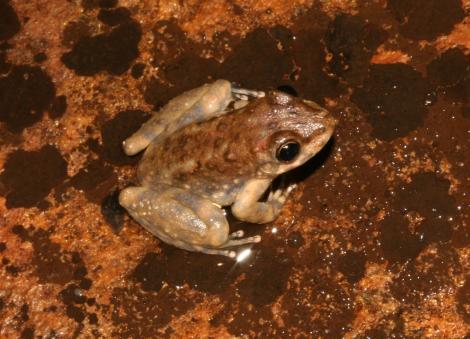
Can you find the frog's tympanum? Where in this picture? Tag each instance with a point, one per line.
(215, 146)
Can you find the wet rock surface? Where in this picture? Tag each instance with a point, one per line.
(375, 241)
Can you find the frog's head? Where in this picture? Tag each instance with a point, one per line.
(292, 131)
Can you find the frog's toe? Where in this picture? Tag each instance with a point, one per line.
(238, 242)
(237, 234)
(129, 196)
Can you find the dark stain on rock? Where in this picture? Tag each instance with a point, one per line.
(25, 93)
(352, 42)
(113, 212)
(59, 106)
(398, 243)
(75, 313)
(352, 265)
(463, 300)
(137, 70)
(9, 23)
(107, 3)
(259, 288)
(30, 176)
(450, 68)
(40, 57)
(394, 99)
(3, 247)
(426, 19)
(267, 66)
(51, 264)
(428, 195)
(74, 31)
(112, 52)
(88, 5)
(201, 273)
(115, 16)
(426, 275)
(466, 111)
(423, 213)
(27, 333)
(12, 269)
(96, 179)
(115, 131)
(310, 76)
(295, 240)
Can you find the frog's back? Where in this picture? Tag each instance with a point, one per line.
(212, 158)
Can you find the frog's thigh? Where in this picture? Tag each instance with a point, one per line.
(247, 206)
(196, 105)
(178, 217)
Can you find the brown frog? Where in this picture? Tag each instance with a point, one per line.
(215, 146)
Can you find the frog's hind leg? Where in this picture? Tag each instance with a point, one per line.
(183, 219)
(196, 105)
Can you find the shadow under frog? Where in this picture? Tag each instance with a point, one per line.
(216, 146)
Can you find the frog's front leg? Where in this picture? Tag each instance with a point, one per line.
(183, 219)
(247, 206)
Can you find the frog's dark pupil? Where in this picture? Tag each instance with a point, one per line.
(288, 151)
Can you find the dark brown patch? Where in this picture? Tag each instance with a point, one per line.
(59, 106)
(394, 99)
(115, 16)
(27, 333)
(398, 243)
(428, 195)
(137, 70)
(268, 65)
(112, 52)
(450, 68)
(9, 23)
(107, 3)
(352, 265)
(74, 31)
(30, 176)
(352, 41)
(51, 264)
(40, 57)
(96, 180)
(25, 93)
(426, 19)
(295, 240)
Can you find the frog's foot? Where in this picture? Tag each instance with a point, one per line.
(183, 219)
(280, 194)
(234, 239)
(245, 94)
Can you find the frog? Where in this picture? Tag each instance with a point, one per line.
(218, 147)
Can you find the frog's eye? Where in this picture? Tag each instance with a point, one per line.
(288, 151)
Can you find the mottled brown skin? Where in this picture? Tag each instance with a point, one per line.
(219, 157)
